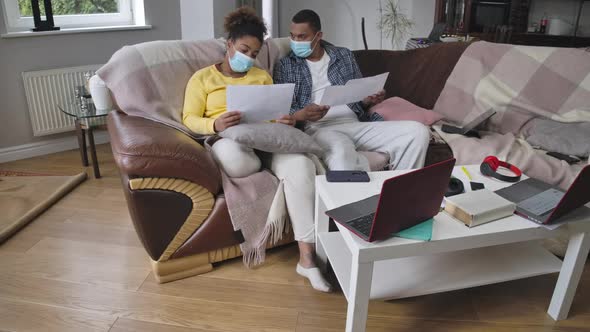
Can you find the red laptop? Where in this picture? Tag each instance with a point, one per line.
(405, 201)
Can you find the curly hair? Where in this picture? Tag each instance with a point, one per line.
(244, 22)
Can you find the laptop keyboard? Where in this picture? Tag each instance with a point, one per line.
(543, 202)
(363, 224)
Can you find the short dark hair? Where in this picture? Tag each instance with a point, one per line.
(244, 22)
(310, 17)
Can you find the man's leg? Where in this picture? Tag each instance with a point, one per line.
(340, 150)
(406, 142)
(298, 174)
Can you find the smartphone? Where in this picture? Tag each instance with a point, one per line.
(347, 176)
(568, 159)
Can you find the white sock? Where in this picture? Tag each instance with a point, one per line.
(315, 277)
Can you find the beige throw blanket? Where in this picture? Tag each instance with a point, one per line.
(258, 210)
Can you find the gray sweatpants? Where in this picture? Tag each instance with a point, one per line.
(405, 142)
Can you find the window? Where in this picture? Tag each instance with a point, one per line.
(70, 13)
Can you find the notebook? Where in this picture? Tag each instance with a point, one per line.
(478, 207)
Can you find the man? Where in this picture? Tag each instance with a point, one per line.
(313, 65)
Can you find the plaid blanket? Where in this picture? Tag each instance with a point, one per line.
(523, 84)
(520, 83)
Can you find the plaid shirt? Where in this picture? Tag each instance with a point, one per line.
(341, 69)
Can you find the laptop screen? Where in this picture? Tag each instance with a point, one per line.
(478, 120)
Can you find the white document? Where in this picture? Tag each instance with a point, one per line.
(354, 90)
(259, 103)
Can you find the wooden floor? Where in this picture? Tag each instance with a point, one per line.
(80, 267)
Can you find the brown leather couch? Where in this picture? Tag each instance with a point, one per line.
(173, 186)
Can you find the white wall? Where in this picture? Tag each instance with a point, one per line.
(423, 16)
(341, 19)
(46, 52)
(203, 19)
(197, 19)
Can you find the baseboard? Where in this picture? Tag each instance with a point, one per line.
(46, 147)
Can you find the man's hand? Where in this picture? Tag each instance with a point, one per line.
(311, 112)
(288, 120)
(375, 99)
(226, 120)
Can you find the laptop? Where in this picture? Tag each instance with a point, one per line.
(544, 203)
(405, 201)
(465, 129)
(437, 31)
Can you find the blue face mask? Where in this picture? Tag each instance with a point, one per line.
(240, 62)
(302, 49)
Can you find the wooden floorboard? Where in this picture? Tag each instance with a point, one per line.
(24, 316)
(80, 267)
(130, 325)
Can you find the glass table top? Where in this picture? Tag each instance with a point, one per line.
(82, 109)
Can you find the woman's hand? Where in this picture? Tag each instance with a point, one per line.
(288, 120)
(311, 112)
(226, 120)
(375, 99)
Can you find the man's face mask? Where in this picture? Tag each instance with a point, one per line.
(302, 49)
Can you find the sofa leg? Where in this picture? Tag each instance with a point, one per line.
(180, 268)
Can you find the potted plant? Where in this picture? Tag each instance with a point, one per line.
(393, 23)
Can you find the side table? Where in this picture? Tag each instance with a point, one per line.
(457, 257)
(87, 119)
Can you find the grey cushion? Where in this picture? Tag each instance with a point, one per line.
(567, 138)
(273, 137)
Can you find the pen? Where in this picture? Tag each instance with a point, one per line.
(466, 172)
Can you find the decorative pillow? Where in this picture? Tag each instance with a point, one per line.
(566, 138)
(397, 109)
(273, 137)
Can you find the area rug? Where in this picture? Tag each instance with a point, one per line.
(24, 196)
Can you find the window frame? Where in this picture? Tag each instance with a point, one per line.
(16, 23)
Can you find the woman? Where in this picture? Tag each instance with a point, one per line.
(205, 112)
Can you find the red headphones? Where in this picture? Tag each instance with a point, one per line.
(490, 165)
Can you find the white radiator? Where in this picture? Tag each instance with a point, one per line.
(45, 90)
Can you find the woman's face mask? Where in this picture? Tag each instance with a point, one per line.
(302, 49)
(240, 62)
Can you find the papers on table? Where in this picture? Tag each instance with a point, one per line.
(354, 90)
(259, 103)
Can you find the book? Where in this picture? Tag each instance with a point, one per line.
(478, 207)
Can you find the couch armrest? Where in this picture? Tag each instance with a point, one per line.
(145, 148)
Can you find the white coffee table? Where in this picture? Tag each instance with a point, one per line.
(457, 257)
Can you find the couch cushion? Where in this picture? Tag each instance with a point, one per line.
(417, 75)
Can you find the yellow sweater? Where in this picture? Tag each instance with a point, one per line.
(204, 98)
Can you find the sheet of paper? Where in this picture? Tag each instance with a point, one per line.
(259, 103)
(354, 90)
